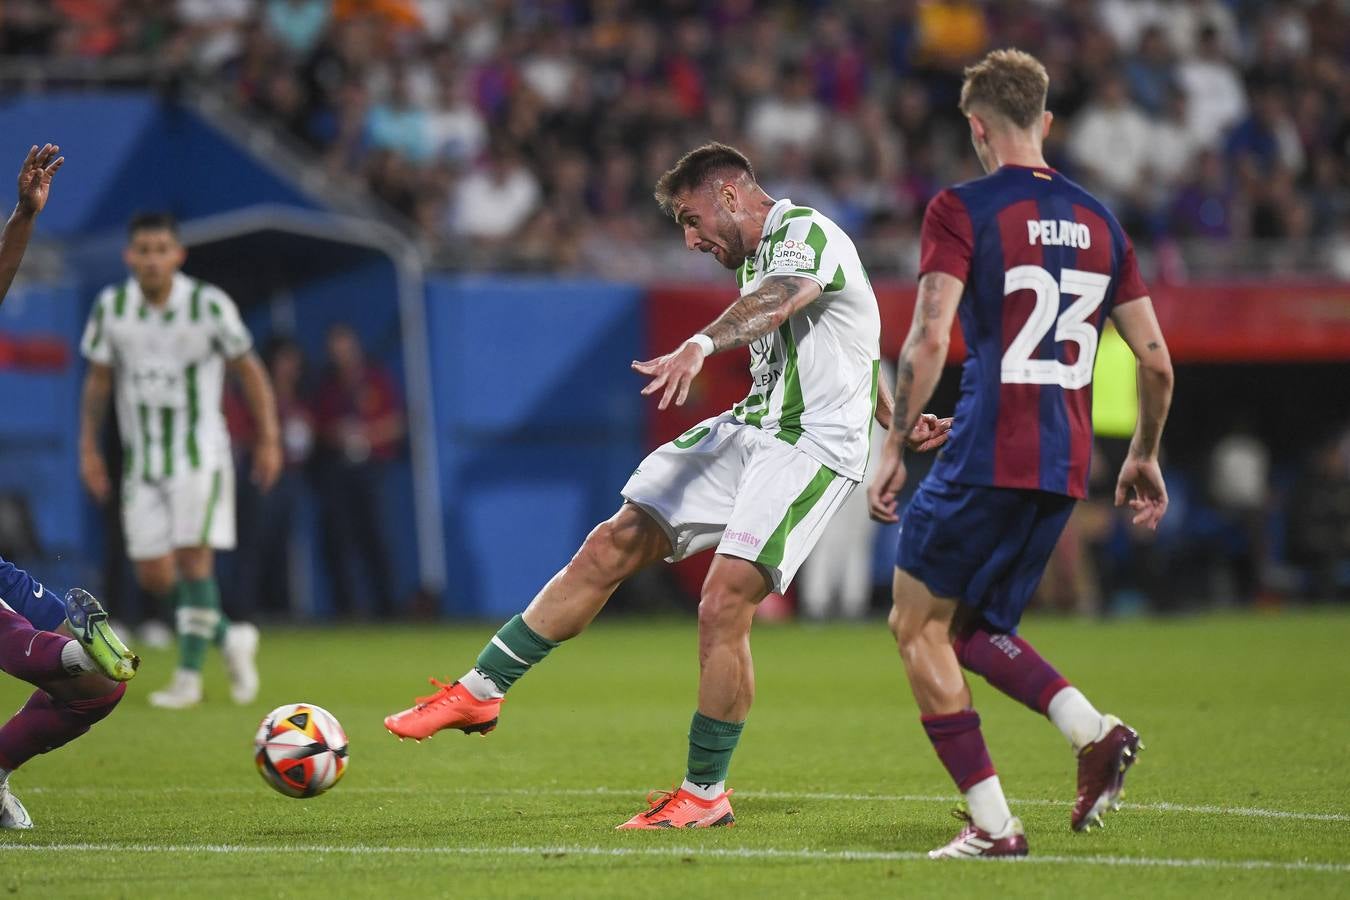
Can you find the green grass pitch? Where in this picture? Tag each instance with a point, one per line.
(1244, 789)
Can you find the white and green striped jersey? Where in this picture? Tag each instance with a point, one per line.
(813, 382)
(169, 371)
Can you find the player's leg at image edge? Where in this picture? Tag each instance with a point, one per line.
(1105, 746)
(74, 688)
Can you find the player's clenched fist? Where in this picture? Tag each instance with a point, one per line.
(674, 372)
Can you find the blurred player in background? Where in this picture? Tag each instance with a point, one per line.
(64, 649)
(165, 340)
(758, 482)
(1033, 264)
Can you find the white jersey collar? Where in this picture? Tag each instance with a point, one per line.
(772, 219)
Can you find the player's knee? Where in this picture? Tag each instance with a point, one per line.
(157, 576)
(611, 550)
(195, 563)
(95, 709)
(724, 612)
(907, 627)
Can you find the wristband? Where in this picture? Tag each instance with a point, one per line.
(702, 342)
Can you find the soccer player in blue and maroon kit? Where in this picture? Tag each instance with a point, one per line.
(1033, 265)
(64, 648)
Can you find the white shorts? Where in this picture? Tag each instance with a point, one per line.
(195, 509)
(735, 487)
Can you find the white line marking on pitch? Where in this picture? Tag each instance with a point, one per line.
(1242, 811)
(711, 852)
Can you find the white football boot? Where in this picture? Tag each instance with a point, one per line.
(974, 842)
(184, 691)
(240, 650)
(12, 813)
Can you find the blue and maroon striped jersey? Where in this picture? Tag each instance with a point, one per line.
(1043, 263)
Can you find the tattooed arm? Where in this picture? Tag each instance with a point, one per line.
(1141, 475)
(761, 311)
(925, 350)
(756, 314)
(916, 376)
(928, 433)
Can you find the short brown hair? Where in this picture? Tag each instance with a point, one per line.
(696, 167)
(1009, 83)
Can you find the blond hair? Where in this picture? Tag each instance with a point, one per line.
(1007, 83)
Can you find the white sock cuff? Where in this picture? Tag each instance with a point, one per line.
(1076, 718)
(75, 659)
(702, 792)
(988, 807)
(481, 686)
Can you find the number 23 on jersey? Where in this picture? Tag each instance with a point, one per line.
(1018, 366)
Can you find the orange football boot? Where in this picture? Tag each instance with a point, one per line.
(681, 809)
(452, 706)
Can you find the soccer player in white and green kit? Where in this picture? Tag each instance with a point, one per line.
(163, 342)
(758, 483)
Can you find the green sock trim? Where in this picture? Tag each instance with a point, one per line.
(200, 622)
(711, 743)
(512, 652)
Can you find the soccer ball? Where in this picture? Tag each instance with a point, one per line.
(300, 749)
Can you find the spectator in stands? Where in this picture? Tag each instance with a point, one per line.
(297, 24)
(1239, 486)
(1214, 92)
(1266, 139)
(360, 425)
(789, 116)
(455, 128)
(1109, 145)
(495, 200)
(398, 126)
(1203, 207)
(1151, 72)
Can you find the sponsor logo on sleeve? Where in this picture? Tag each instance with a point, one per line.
(793, 254)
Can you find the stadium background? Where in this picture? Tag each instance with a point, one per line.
(467, 184)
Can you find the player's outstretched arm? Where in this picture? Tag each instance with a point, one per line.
(35, 181)
(929, 433)
(916, 377)
(752, 316)
(93, 408)
(1141, 475)
(262, 405)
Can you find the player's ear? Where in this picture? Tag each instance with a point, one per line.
(730, 198)
(179, 255)
(977, 129)
(1046, 118)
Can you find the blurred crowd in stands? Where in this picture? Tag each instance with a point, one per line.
(528, 133)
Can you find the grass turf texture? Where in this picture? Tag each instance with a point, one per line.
(1237, 712)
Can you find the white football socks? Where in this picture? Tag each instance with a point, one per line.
(705, 792)
(481, 686)
(1076, 718)
(988, 807)
(75, 659)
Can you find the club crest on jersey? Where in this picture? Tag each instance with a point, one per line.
(794, 254)
(1059, 233)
